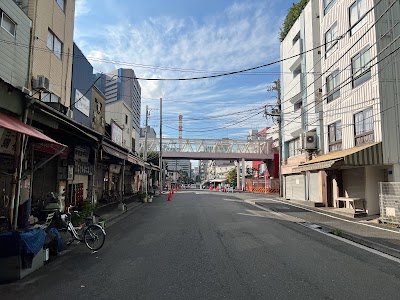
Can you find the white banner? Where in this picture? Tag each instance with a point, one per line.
(82, 103)
(116, 133)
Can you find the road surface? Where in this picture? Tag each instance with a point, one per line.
(208, 245)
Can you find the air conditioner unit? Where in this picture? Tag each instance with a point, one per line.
(41, 83)
(26, 91)
(309, 140)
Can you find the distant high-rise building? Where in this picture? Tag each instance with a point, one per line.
(121, 84)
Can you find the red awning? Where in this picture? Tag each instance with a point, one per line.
(14, 124)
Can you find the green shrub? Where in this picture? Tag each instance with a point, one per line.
(293, 14)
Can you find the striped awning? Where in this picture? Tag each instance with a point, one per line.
(358, 156)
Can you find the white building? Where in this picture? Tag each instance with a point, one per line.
(300, 103)
(360, 104)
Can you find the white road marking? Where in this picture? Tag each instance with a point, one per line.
(334, 217)
(250, 215)
(232, 200)
(392, 258)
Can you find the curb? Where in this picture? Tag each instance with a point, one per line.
(370, 244)
(120, 213)
(350, 236)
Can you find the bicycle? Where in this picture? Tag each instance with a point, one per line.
(93, 235)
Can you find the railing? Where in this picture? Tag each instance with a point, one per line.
(208, 146)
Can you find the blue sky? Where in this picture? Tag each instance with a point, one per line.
(181, 39)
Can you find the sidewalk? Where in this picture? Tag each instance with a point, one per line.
(376, 236)
(110, 212)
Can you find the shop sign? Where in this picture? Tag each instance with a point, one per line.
(82, 103)
(70, 172)
(81, 153)
(116, 133)
(83, 168)
(7, 141)
(115, 168)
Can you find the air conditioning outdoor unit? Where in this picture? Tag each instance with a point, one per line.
(309, 140)
(41, 83)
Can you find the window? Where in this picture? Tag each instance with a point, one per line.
(126, 119)
(364, 127)
(335, 136)
(294, 147)
(296, 38)
(361, 67)
(331, 40)
(297, 71)
(61, 4)
(49, 97)
(332, 86)
(328, 4)
(298, 105)
(54, 44)
(357, 12)
(7, 24)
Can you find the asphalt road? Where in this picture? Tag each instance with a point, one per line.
(211, 246)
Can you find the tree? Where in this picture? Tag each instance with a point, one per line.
(231, 176)
(152, 157)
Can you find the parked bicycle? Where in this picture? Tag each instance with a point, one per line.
(93, 235)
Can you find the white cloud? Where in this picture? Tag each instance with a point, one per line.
(242, 36)
(81, 8)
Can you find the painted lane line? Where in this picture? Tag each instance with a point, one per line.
(387, 256)
(250, 215)
(334, 217)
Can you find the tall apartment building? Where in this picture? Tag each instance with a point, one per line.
(51, 50)
(179, 165)
(300, 96)
(360, 79)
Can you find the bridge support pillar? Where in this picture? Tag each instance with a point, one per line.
(243, 175)
(238, 175)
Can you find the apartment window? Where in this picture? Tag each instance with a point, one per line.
(298, 105)
(331, 40)
(54, 44)
(49, 97)
(364, 127)
(61, 4)
(297, 71)
(7, 24)
(361, 67)
(296, 38)
(126, 119)
(357, 12)
(328, 4)
(335, 136)
(294, 147)
(332, 86)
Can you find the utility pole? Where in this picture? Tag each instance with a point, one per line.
(160, 180)
(145, 150)
(278, 114)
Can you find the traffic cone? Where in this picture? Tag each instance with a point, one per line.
(172, 191)
(169, 196)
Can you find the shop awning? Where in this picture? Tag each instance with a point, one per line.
(370, 154)
(14, 124)
(135, 160)
(114, 151)
(218, 180)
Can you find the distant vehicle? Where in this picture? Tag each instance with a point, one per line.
(192, 186)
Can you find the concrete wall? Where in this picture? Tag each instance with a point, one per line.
(373, 176)
(14, 58)
(98, 116)
(354, 182)
(389, 76)
(119, 111)
(82, 76)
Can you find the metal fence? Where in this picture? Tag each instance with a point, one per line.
(269, 186)
(389, 200)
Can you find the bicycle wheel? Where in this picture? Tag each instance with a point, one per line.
(94, 237)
